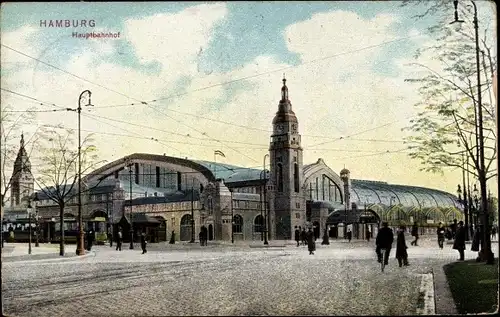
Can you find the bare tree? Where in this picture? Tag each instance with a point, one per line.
(58, 176)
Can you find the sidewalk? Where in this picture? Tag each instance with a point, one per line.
(14, 252)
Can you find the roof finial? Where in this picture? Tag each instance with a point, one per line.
(22, 139)
(284, 89)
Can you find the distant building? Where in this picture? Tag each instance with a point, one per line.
(229, 200)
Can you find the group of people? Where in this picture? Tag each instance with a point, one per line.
(385, 239)
(119, 241)
(306, 237)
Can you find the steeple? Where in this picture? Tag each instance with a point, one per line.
(22, 183)
(285, 113)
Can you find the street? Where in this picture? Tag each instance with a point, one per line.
(340, 279)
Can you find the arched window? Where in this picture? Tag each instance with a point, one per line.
(237, 224)
(258, 224)
(186, 220)
(296, 177)
(279, 176)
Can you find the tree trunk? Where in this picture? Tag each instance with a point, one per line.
(61, 221)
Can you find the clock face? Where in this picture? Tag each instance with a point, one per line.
(280, 128)
(294, 127)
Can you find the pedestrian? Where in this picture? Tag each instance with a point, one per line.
(303, 236)
(144, 242)
(440, 234)
(414, 233)
(172, 238)
(119, 238)
(493, 232)
(476, 239)
(111, 237)
(90, 239)
(349, 234)
(368, 234)
(401, 252)
(205, 236)
(200, 236)
(311, 244)
(297, 235)
(384, 240)
(459, 243)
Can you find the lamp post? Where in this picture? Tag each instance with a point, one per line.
(265, 202)
(486, 252)
(37, 222)
(232, 216)
(29, 210)
(192, 213)
(131, 232)
(261, 217)
(80, 249)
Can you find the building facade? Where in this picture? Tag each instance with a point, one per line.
(241, 203)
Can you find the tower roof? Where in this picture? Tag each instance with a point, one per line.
(22, 162)
(285, 113)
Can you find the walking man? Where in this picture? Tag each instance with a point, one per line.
(349, 234)
(311, 244)
(440, 234)
(144, 242)
(401, 253)
(414, 232)
(119, 240)
(297, 235)
(384, 240)
(459, 243)
(303, 236)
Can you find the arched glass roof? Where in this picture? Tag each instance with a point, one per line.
(373, 192)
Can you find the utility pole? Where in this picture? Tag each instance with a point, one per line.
(192, 213)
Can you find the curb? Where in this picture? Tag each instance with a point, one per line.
(61, 259)
(444, 302)
(427, 295)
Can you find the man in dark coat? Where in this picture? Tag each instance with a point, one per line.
(440, 234)
(90, 239)
(401, 253)
(459, 243)
(414, 233)
(349, 234)
(144, 242)
(297, 235)
(303, 236)
(384, 240)
(119, 239)
(311, 244)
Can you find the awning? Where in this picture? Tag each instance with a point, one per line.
(142, 218)
(353, 216)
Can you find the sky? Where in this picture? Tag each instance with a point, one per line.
(188, 78)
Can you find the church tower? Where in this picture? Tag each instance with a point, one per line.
(286, 197)
(22, 182)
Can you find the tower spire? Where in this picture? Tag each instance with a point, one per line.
(22, 139)
(284, 89)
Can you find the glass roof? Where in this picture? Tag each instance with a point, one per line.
(409, 196)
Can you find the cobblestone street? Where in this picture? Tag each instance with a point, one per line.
(340, 279)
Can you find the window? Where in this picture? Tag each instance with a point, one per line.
(297, 205)
(179, 181)
(158, 184)
(136, 167)
(237, 224)
(258, 224)
(210, 206)
(201, 188)
(296, 177)
(297, 215)
(279, 176)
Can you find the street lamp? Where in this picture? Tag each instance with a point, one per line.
(192, 213)
(265, 201)
(131, 231)
(488, 255)
(29, 210)
(232, 216)
(80, 249)
(37, 222)
(261, 217)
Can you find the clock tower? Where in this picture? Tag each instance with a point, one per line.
(286, 196)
